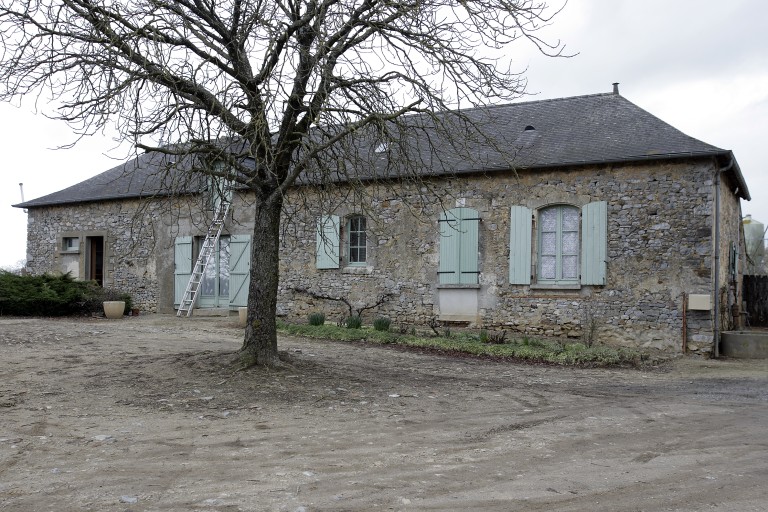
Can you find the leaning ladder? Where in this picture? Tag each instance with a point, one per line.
(206, 251)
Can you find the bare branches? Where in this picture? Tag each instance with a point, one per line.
(183, 70)
(384, 297)
(270, 94)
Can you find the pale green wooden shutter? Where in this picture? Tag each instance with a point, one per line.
(448, 270)
(468, 230)
(239, 269)
(520, 227)
(459, 229)
(327, 252)
(594, 242)
(182, 260)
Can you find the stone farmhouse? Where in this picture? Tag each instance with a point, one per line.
(590, 219)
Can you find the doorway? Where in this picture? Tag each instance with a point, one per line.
(214, 287)
(94, 265)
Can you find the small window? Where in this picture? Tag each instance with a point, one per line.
(70, 244)
(357, 241)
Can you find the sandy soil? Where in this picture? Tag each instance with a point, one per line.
(147, 413)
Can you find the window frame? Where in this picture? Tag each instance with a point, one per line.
(65, 247)
(558, 280)
(360, 234)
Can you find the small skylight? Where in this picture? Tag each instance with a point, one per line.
(529, 128)
(382, 147)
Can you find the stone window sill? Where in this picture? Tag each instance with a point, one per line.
(459, 286)
(357, 270)
(540, 286)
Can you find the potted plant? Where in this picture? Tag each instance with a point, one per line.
(116, 304)
(114, 309)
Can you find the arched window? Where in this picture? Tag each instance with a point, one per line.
(571, 245)
(559, 244)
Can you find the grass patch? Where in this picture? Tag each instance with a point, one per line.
(524, 349)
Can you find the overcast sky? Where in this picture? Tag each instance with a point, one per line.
(700, 65)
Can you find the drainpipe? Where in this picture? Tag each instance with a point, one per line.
(716, 263)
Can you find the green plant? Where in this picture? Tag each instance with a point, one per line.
(48, 295)
(497, 338)
(483, 336)
(354, 322)
(526, 349)
(529, 342)
(382, 324)
(317, 319)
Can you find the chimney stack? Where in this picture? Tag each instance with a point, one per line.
(615, 87)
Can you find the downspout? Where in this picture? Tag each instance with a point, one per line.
(716, 265)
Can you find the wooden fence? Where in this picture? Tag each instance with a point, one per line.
(755, 295)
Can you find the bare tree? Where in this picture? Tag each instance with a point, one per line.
(276, 91)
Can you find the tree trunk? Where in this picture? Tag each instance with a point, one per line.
(260, 343)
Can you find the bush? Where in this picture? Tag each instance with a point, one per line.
(317, 319)
(382, 324)
(49, 295)
(44, 295)
(354, 322)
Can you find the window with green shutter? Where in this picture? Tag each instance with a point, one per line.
(571, 245)
(520, 230)
(327, 247)
(594, 247)
(239, 269)
(459, 246)
(182, 264)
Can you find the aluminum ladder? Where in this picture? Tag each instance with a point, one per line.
(206, 251)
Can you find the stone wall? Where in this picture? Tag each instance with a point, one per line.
(129, 245)
(660, 246)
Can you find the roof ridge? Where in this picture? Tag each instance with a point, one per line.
(531, 102)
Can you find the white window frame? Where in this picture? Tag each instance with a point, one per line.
(67, 244)
(559, 235)
(361, 234)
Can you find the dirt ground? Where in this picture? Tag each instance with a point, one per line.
(147, 413)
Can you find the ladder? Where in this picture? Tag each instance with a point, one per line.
(206, 251)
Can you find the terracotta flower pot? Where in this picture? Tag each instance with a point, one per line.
(114, 309)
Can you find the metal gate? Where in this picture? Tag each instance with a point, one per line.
(755, 295)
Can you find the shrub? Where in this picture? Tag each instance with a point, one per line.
(317, 319)
(382, 324)
(48, 295)
(354, 322)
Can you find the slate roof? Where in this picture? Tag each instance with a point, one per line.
(565, 132)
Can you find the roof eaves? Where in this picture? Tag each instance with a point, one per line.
(60, 202)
